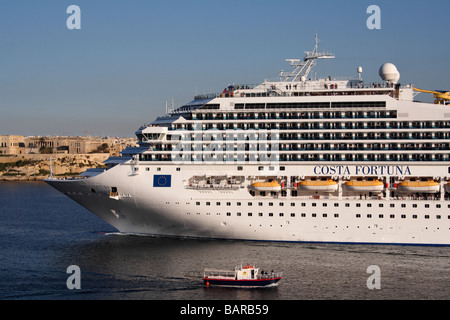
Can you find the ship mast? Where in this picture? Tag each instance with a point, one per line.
(51, 176)
(302, 69)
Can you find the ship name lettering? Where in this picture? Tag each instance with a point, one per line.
(331, 170)
(363, 170)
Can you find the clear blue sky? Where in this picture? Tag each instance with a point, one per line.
(131, 56)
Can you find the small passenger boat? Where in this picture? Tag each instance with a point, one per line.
(266, 186)
(242, 277)
(429, 186)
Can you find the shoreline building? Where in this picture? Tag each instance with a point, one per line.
(16, 145)
(11, 144)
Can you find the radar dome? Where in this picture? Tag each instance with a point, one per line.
(389, 72)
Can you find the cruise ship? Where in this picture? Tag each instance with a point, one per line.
(296, 159)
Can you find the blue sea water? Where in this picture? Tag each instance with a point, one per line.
(42, 233)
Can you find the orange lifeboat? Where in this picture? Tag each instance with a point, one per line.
(429, 186)
(319, 185)
(375, 186)
(267, 186)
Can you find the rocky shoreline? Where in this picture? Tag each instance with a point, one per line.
(36, 167)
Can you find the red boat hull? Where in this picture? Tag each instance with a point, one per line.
(250, 283)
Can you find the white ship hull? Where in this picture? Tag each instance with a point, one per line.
(231, 165)
(221, 213)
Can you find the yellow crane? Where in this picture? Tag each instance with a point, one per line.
(442, 97)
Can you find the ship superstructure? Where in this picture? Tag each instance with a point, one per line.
(297, 159)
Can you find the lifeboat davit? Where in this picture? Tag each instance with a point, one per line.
(319, 185)
(429, 186)
(375, 186)
(266, 186)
